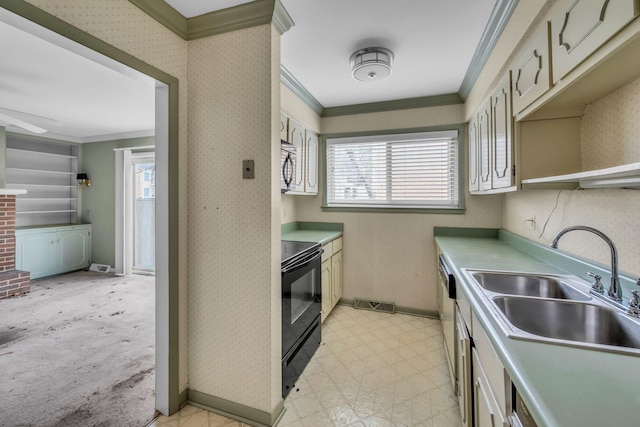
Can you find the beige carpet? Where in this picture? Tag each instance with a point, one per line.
(78, 350)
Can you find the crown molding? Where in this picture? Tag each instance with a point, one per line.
(245, 15)
(492, 32)
(296, 87)
(374, 107)
(400, 104)
(260, 12)
(281, 18)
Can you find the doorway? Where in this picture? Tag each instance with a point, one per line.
(32, 20)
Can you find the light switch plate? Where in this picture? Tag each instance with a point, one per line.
(248, 171)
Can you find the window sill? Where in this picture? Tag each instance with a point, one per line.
(373, 209)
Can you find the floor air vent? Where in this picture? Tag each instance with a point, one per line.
(386, 307)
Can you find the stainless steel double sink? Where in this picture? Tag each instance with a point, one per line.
(556, 309)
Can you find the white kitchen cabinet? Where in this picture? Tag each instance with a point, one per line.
(484, 152)
(491, 366)
(531, 70)
(306, 142)
(463, 370)
(284, 127)
(474, 147)
(311, 162)
(502, 135)
(295, 136)
(480, 378)
(336, 278)
(47, 251)
(331, 276)
(580, 27)
(492, 127)
(486, 412)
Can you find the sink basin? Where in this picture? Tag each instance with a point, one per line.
(565, 321)
(530, 285)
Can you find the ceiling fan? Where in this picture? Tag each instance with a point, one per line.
(25, 121)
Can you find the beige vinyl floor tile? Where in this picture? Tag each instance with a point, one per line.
(371, 370)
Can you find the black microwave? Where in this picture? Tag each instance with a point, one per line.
(287, 166)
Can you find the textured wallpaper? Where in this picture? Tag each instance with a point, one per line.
(121, 24)
(610, 130)
(614, 212)
(610, 136)
(233, 223)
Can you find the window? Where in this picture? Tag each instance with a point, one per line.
(412, 170)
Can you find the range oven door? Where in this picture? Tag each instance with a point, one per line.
(301, 298)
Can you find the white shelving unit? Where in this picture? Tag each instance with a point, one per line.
(624, 176)
(47, 170)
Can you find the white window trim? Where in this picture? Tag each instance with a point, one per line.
(453, 131)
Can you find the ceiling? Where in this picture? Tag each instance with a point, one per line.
(433, 42)
(44, 82)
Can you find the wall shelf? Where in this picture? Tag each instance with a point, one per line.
(624, 176)
(39, 171)
(38, 153)
(48, 171)
(46, 212)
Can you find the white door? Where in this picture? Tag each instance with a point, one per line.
(144, 212)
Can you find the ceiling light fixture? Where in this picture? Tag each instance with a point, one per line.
(371, 64)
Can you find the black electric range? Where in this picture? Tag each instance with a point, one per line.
(301, 307)
(292, 251)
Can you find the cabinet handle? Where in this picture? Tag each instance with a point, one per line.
(480, 389)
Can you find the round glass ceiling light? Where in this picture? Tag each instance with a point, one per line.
(371, 64)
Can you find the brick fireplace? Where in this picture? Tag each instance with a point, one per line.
(12, 281)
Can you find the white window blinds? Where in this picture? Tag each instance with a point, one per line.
(413, 170)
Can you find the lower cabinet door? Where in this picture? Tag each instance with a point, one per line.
(486, 412)
(336, 278)
(463, 363)
(326, 288)
(35, 253)
(73, 249)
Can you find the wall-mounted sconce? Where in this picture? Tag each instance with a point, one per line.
(83, 180)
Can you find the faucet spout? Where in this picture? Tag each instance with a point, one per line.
(615, 291)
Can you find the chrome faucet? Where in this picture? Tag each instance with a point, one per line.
(615, 291)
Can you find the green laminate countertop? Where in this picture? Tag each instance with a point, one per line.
(321, 232)
(562, 386)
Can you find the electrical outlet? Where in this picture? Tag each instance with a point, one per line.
(530, 223)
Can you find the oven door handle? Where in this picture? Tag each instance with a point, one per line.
(303, 262)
